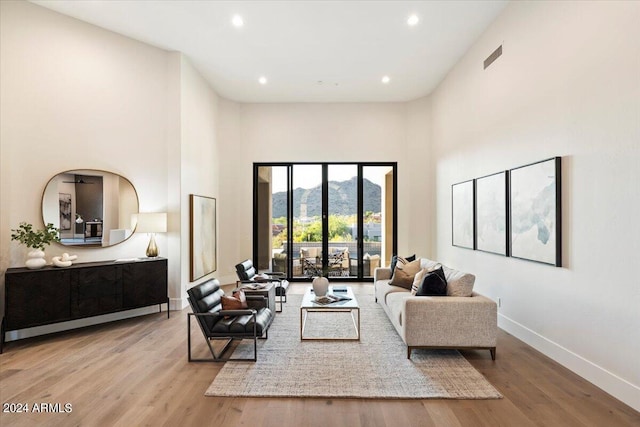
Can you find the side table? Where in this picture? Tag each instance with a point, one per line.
(269, 291)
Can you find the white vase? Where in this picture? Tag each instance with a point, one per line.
(320, 286)
(35, 259)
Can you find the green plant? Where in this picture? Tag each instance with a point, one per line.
(35, 239)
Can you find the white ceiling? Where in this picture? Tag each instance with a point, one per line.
(346, 45)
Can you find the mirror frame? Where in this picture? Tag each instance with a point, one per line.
(89, 172)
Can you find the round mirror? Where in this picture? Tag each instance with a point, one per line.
(90, 207)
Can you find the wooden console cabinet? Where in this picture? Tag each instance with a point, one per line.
(52, 294)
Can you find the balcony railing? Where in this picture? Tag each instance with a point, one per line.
(371, 248)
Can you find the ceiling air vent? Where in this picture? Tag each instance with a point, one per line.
(495, 55)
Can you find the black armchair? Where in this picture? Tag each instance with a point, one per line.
(215, 323)
(247, 274)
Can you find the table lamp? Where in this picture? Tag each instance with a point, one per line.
(151, 223)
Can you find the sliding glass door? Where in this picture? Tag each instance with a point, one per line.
(308, 230)
(336, 219)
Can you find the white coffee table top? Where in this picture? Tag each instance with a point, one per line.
(309, 297)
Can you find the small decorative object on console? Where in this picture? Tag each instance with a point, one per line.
(36, 240)
(35, 259)
(64, 261)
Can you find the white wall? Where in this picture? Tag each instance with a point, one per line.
(199, 157)
(303, 133)
(567, 84)
(78, 96)
(75, 96)
(418, 236)
(230, 230)
(175, 229)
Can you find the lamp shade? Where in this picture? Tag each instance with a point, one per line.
(150, 222)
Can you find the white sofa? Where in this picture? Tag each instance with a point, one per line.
(452, 321)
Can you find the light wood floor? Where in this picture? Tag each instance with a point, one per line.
(135, 373)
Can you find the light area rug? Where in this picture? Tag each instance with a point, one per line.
(375, 367)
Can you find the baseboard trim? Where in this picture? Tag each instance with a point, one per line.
(177, 304)
(618, 387)
(80, 323)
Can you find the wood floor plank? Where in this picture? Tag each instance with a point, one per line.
(442, 413)
(135, 372)
(502, 413)
(406, 413)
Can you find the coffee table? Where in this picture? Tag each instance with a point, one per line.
(309, 305)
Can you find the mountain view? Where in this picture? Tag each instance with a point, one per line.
(342, 199)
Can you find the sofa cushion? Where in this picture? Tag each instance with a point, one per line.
(433, 284)
(394, 260)
(459, 284)
(395, 305)
(404, 273)
(383, 289)
(244, 324)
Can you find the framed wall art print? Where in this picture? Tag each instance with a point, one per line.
(535, 212)
(203, 236)
(491, 213)
(462, 214)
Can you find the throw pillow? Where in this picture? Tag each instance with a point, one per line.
(459, 284)
(239, 294)
(433, 284)
(417, 280)
(394, 260)
(404, 273)
(236, 302)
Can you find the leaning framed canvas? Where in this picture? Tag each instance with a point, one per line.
(491, 213)
(462, 214)
(203, 236)
(535, 212)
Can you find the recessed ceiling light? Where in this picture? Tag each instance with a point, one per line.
(386, 79)
(413, 20)
(237, 21)
(263, 80)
